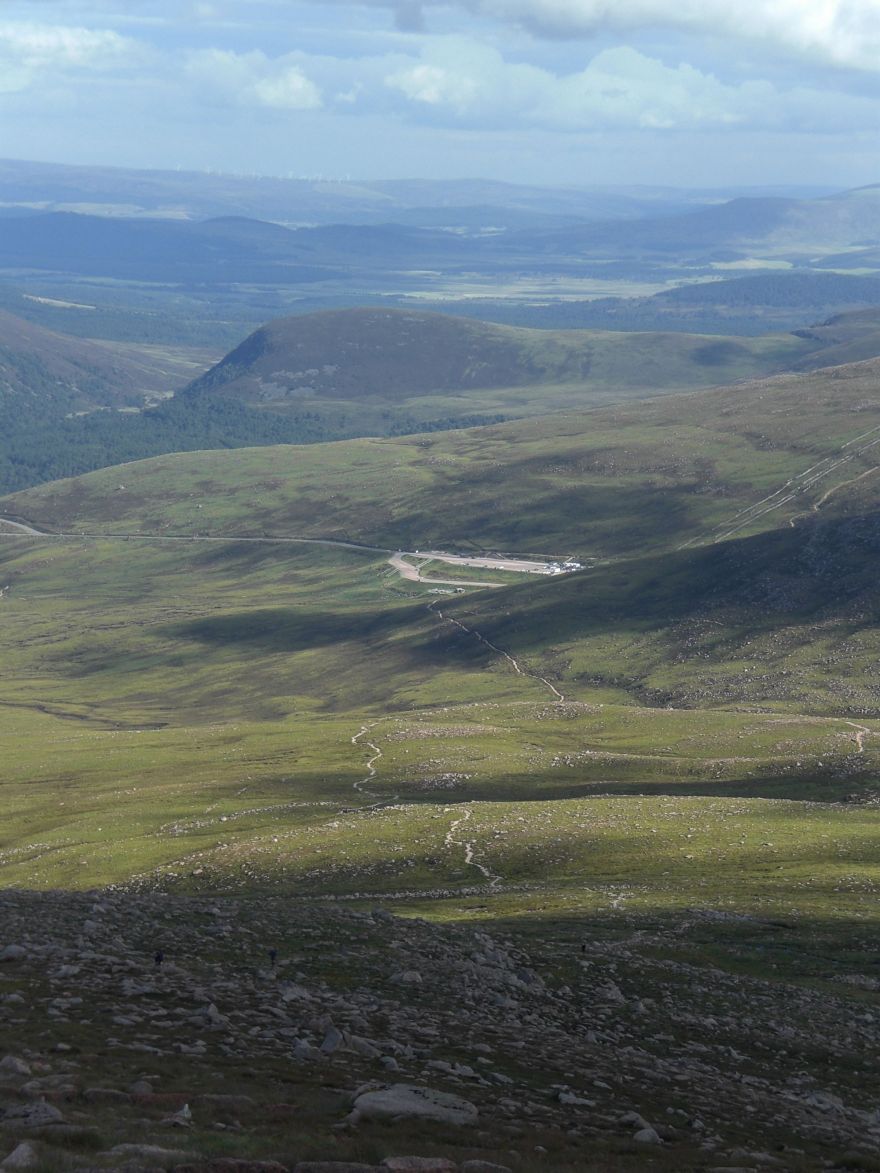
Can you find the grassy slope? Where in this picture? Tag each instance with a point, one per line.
(60, 373)
(162, 706)
(614, 482)
(432, 366)
(780, 619)
(200, 719)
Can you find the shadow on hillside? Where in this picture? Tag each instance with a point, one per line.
(282, 629)
(756, 584)
(758, 943)
(855, 789)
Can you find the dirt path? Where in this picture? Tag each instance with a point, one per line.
(862, 731)
(19, 528)
(468, 845)
(362, 784)
(514, 664)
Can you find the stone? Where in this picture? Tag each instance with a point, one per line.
(149, 1152)
(363, 1047)
(647, 1136)
(13, 953)
(333, 1040)
(13, 1066)
(231, 1165)
(478, 1166)
(407, 1101)
(419, 1165)
(334, 1167)
(36, 1115)
(25, 1156)
(106, 1095)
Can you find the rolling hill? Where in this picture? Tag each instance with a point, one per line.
(360, 372)
(56, 373)
(433, 365)
(602, 483)
(629, 815)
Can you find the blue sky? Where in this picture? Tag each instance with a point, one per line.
(690, 92)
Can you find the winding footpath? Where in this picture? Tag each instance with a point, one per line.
(468, 846)
(515, 665)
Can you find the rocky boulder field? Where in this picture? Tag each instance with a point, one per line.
(157, 1032)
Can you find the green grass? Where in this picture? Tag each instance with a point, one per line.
(191, 709)
(601, 484)
(200, 719)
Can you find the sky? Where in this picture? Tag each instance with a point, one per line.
(706, 93)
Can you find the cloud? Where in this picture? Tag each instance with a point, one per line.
(843, 33)
(39, 46)
(459, 81)
(254, 79)
(288, 89)
(29, 52)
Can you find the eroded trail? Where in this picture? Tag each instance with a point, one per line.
(362, 784)
(469, 850)
(862, 731)
(511, 660)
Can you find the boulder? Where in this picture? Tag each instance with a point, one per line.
(334, 1167)
(231, 1165)
(419, 1165)
(36, 1115)
(647, 1136)
(23, 1157)
(406, 1101)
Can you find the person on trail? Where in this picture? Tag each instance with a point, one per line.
(158, 958)
(273, 957)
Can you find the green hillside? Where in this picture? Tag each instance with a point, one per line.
(600, 484)
(52, 373)
(430, 364)
(343, 374)
(651, 784)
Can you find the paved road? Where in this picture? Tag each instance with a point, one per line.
(20, 528)
(397, 559)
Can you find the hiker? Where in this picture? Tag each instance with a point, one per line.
(158, 958)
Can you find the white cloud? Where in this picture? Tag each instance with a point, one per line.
(254, 79)
(460, 81)
(31, 52)
(288, 90)
(37, 46)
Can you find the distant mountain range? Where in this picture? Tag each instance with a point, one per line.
(471, 203)
(236, 249)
